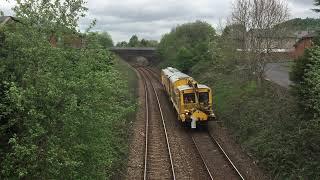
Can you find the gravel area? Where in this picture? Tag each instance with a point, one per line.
(135, 160)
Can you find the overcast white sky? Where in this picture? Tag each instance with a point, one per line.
(150, 19)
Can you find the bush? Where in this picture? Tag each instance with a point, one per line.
(63, 111)
(306, 75)
(188, 44)
(266, 120)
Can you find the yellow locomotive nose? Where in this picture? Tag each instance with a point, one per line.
(199, 115)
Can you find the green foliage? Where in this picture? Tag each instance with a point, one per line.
(316, 3)
(135, 42)
(267, 121)
(299, 24)
(122, 44)
(306, 75)
(51, 16)
(102, 38)
(64, 112)
(185, 59)
(148, 43)
(188, 44)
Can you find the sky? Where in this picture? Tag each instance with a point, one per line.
(150, 19)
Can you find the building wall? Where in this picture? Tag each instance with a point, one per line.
(301, 46)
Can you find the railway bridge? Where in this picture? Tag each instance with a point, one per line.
(131, 54)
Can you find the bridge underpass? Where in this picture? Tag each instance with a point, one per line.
(133, 55)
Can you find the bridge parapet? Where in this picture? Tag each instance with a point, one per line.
(132, 53)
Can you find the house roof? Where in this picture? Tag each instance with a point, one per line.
(307, 36)
(311, 35)
(5, 19)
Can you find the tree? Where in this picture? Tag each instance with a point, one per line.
(102, 38)
(144, 43)
(306, 73)
(148, 43)
(188, 44)
(122, 44)
(260, 38)
(185, 59)
(134, 41)
(316, 3)
(51, 16)
(56, 119)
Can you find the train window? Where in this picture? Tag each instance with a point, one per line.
(189, 98)
(204, 97)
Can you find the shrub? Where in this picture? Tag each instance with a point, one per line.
(63, 110)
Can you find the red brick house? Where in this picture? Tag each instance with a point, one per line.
(302, 44)
(72, 39)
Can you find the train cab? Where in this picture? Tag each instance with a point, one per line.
(192, 101)
(195, 105)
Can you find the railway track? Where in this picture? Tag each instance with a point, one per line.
(155, 161)
(154, 74)
(210, 149)
(214, 158)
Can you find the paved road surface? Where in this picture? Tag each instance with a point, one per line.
(279, 73)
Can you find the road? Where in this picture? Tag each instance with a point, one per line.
(279, 73)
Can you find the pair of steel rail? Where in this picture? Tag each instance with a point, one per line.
(146, 78)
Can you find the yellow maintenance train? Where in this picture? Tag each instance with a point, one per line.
(192, 101)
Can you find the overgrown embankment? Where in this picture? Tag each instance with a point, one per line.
(65, 112)
(265, 119)
(257, 117)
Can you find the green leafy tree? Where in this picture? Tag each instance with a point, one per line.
(317, 3)
(63, 110)
(134, 41)
(122, 44)
(197, 38)
(306, 73)
(185, 59)
(51, 16)
(144, 43)
(104, 39)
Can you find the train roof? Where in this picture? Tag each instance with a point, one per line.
(169, 71)
(186, 87)
(178, 76)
